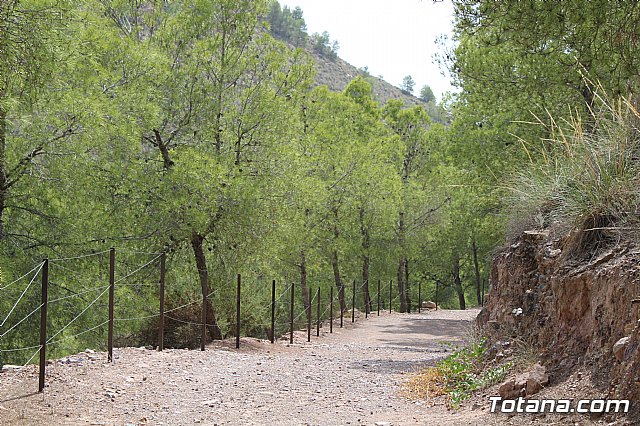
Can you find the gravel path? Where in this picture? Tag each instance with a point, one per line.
(349, 377)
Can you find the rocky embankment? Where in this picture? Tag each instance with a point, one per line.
(576, 308)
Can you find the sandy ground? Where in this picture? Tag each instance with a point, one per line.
(350, 377)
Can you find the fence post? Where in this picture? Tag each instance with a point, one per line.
(112, 284)
(390, 294)
(437, 294)
(482, 295)
(291, 325)
(366, 303)
(378, 296)
(43, 324)
(273, 311)
(331, 311)
(203, 317)
(238, 315)
(341, 290)
(419, 296)
(353, 303)
(318, 314)
(308, 312)
(163, 259)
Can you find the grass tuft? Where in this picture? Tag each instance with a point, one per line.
(585, 176)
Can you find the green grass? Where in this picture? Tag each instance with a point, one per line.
(465, 371)
(585, 176)
(456, 376)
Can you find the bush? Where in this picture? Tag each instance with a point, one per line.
(585, 177)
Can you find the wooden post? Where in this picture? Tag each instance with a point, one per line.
(318, 314)
(419, 296)
(331, 312)
(238, 315)
(437, 294)
(291, 325)
(273, 311)
(390, 294)
(112, 284)
(378, 296)
(43, 324)
(163, 259)
(353, 303)
(482, 295)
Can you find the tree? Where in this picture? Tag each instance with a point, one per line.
(407, 84)
(426, 94)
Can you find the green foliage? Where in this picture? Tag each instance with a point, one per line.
(465, 371)
(407, 84)
(587, 179)
(288, 25)
(322, 44)
(426, 94)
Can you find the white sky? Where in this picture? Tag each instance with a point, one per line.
(394, 38)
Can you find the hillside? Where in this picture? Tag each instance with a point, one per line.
(337, 73)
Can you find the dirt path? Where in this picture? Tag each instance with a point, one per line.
(350, 377)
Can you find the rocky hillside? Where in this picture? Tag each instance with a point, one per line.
(576, 311)
(337, 73)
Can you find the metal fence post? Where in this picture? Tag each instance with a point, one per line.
(318, 314)
(43, 324)
(378, 296)
(419, 296)
(112, 282)
(238, 315)
(390, 294)
(353, 302)
(273, 311)
(291, 325)
(331, 312)
(163, 258)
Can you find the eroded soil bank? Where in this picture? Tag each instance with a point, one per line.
(571, 304)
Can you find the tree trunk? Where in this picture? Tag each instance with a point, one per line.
(476, 268)
(201, 263)
(303, 285)
(338, 280)
(366, 261)
(457, 282)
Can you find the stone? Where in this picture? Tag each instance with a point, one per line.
(526, 384)
(428, 305)
(619, 348)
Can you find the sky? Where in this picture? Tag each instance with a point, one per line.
(394, 38)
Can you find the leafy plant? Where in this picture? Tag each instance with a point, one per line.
(458, 375)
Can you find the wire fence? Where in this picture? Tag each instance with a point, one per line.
(288, 309)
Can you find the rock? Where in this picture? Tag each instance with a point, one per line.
(619, 348)
(525, 384)
(9, 367)
(428, 305)
(382, 423)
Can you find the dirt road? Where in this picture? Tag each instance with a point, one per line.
(350, 377)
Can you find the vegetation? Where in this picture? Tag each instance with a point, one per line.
(187, 129)
(456, 376)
